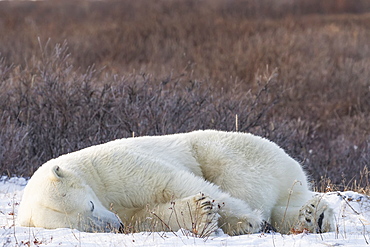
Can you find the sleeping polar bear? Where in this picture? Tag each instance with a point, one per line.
(200, 181)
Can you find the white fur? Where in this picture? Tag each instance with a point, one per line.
(196, 180)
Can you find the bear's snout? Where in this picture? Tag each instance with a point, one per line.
(121, 229)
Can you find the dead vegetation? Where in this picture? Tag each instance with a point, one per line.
(74, 74)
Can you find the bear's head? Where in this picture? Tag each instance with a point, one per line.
(58, 198)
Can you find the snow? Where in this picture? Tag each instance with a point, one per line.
(352, 212)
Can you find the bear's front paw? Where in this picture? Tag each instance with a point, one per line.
(204, 215)
(316, 216)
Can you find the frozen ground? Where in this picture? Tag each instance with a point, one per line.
(352, 217)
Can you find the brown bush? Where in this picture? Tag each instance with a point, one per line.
(74, 74)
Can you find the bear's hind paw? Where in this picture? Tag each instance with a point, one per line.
(316, 216)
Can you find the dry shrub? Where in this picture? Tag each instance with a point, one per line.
(52, 108)
(74, 74)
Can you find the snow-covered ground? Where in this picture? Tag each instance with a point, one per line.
(352, 216)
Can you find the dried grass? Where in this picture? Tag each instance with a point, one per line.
(74, 74)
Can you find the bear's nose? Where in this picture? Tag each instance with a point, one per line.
(112, 227)
(121, 228)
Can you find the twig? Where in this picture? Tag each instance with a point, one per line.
(287, 204)
(363, 226)
(13, 215)
(349, 205)
(164, 223)
(177, 219)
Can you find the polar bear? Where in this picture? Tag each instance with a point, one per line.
(200, 181)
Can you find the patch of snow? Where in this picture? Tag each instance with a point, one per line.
(352, 216)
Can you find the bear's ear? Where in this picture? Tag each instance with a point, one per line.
(57, 174)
